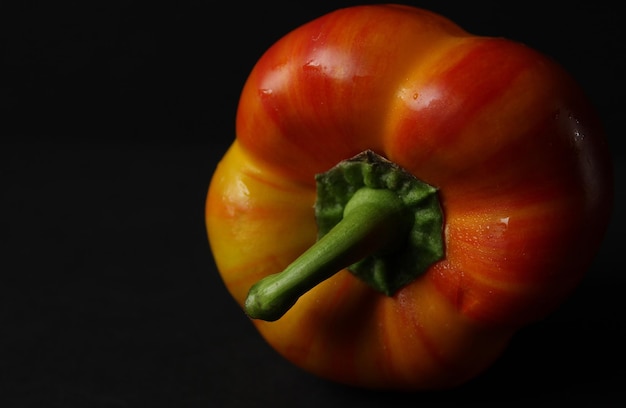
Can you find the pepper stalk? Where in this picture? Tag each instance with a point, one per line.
(375, 219)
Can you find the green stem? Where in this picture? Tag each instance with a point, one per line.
(374, 220)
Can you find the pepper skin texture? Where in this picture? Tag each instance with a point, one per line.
(505, 134)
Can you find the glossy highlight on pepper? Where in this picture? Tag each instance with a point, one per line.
(509, 140)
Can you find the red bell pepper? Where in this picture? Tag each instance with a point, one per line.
(403, 196)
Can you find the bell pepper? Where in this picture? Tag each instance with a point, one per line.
(402, 196)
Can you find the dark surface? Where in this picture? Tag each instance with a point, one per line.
(114, 117)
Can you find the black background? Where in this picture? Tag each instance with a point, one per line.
(114, 115)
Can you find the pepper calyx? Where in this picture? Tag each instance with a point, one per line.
(417, 245)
